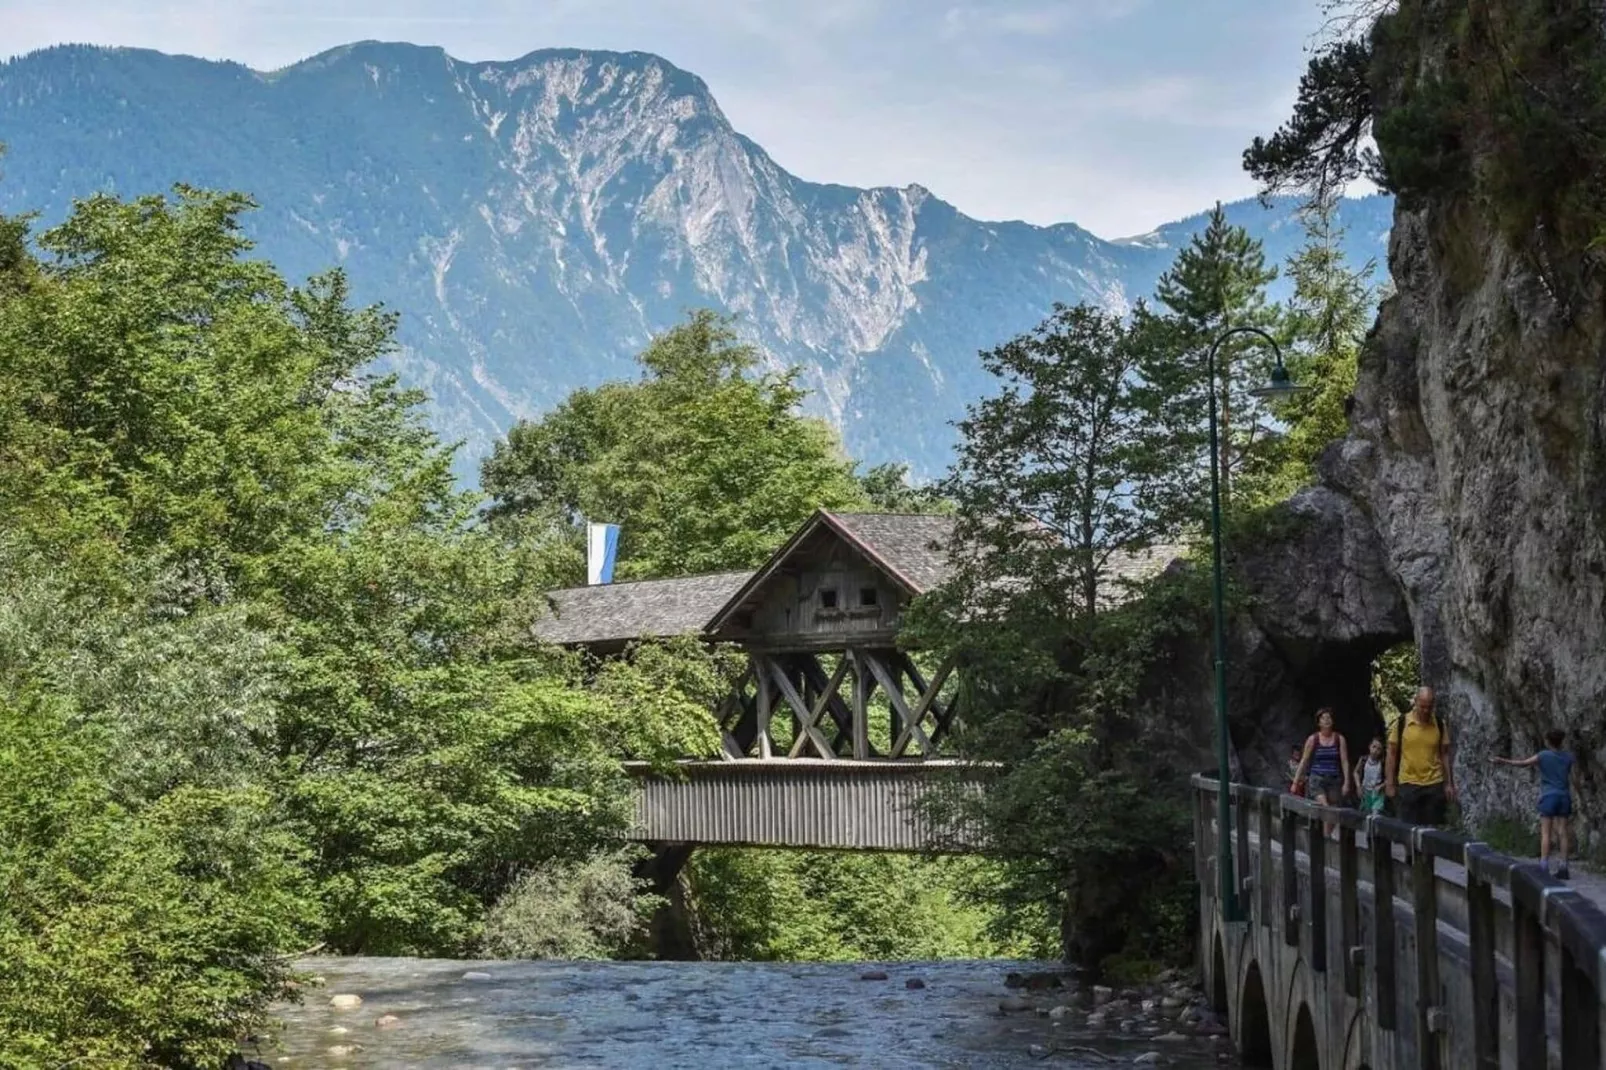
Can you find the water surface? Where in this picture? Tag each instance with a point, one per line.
(431, 1013)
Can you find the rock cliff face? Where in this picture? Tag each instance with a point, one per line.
(1477, 448)
(1320, 603)
(1476, 453)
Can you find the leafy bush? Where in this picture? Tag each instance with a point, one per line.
(570, 910)
(775, 906)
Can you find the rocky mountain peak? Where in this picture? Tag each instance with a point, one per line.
(536, 220)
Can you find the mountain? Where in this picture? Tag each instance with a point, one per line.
(536, 220)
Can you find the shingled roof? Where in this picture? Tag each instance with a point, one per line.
(914, 547)
(612, 614)
(909, 548)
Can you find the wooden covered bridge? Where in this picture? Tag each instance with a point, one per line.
(834, 734)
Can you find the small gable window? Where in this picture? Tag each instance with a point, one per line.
(828, 598)
(868, 597)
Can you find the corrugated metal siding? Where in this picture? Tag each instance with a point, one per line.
(865, 806)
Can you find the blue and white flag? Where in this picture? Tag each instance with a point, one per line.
(602, 545)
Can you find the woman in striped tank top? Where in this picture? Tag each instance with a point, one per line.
(1327, 760)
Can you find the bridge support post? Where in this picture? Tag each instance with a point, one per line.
(1485, 981)
(1580, 1011)
(1349, 909)
(1290, 842)
(1425, 911)
(1383, 926)
(1318, 894)
(1268, 883)
(1241, 870)
(1528, 950)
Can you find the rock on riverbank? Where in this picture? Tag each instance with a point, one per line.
(1169, 1012)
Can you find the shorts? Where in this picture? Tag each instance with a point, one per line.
(1421, 804)
(1330, 786)
(1372, 801)
(1556, 804)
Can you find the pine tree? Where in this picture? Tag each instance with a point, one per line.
(1327, 318)
(1219, 282)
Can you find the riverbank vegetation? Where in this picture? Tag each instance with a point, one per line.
(266, 682)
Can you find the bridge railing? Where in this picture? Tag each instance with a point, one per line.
(1544, 916)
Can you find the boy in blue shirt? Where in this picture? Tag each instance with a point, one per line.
(1555, 796)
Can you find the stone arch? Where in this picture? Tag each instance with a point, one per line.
(1357, 1046)
(1218, 976)
(1304, 1053)
(1254, 1019)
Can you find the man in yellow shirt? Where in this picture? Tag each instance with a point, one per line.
(1419, 776)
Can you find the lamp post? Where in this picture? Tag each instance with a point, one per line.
(1279, 387)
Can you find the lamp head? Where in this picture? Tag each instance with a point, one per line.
(1280, 388)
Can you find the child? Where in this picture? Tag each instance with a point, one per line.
(1555, 796)
(1296, 786)
(1369, 779)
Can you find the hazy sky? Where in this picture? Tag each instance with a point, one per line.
(1115, 114)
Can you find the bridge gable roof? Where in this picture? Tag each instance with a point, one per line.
(612, 614)
(909, 548)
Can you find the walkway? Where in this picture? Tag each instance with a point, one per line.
(1330, 965)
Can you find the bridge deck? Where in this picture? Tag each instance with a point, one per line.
(800, 802)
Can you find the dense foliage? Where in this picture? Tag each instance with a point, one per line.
(281, 695)
(1507, 109)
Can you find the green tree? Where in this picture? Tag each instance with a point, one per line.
(1219, 282)
(1085, 454)
(1327, 319)
(168, 400)
(152, 886)
(1079, 456)
(1321, 149)
(887, 488)
(771, 906)
(706, 464)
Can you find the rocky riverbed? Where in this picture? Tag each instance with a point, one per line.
(438, 1014)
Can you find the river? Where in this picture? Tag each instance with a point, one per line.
(436, 1014)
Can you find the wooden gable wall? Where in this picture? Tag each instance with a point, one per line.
(827, 593)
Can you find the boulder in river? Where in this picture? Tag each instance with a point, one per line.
(346, 1001)
(873, 975)
(1014, 1004)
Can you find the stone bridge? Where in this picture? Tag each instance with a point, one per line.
(1392, 947)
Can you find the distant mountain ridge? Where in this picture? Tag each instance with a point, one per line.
(536, 220)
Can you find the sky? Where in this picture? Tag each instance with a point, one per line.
(1117, 115)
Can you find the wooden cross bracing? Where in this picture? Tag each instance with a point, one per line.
(829, 713)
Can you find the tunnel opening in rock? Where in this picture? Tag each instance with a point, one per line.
(1254, 1021)
(1306, 1055)
(1218, 978)
(1348, 676)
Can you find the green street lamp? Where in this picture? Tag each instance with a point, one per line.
(1279, 387)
